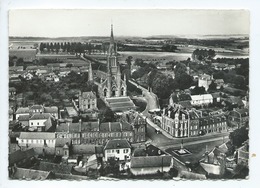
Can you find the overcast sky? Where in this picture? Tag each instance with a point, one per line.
(63, 23)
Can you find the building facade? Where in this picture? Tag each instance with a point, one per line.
(87, 101)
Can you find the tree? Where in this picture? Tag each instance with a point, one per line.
(212, 86)
(108, 115)
(163, 86)
(198, 90)
(129, 60)
(183, 81)
(239, 136)
(139, 62)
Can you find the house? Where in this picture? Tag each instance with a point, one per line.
(40, 122)
(63, 147)
(42, 142)
(27, 76)
(204, 81)
(30, 174)
(212, 123)
(178, 97)
(242, 153)
(87, 101)
(200, 100)
(12, 92)
(219, 83)
(148, 165)
(21, 112)
(147, 150)
(24, 120)
(117, 149)
(53, 110)
(214, 162)
(238, 117)
(140, 127)
(216, 98)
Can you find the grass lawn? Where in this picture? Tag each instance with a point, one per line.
(197, 151)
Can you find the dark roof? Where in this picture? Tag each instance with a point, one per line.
(63, 127)
(61, 142)
(22, 110)
(22, 173)
(20, 155)
(185, 104)
(88, 95)
(115, 144)
(52, 109)
(56, 168)
(215, 95)
(150, 161)
(24, 118)
(36, 107)
(89, 126)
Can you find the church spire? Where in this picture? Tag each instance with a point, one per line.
(112, 35)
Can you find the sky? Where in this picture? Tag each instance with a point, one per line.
(135, 22)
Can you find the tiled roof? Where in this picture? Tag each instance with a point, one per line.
(88, 95)
(22, 110)
(40, 116)
(60, 142)
(117, 144)
(37, 135)
(63, 127)
(151, 161)
(34, 107)
(90, 126)
(52, 109)
(24, 118)
(201, 97)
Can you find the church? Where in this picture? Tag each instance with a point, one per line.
(112, 88)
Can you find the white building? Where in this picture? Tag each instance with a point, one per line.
(204, 81)
(198, 100)
(40, 122)
(117, 149)
(36, 139)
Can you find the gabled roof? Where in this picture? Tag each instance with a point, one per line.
(22, 110)
(117, 144)
(151, 161)
(88, 95)
(63, 127)
(61, 142)
(52, 109)
(24, 118)
(37, 135)
(89, 126)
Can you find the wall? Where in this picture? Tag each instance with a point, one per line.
(147, 171)
(121, 155)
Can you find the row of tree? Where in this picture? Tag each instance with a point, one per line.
(73, 47)
(203, 54)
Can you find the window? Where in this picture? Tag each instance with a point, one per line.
(31, 123)
(38, 123)
(125, 150)
(117, 151)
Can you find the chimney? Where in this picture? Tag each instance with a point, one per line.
(68, 126)
(80, 124)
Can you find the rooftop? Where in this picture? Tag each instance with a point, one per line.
(37, 135)
(22, 173)
(40, 116)
(20, 155)
(117, 144)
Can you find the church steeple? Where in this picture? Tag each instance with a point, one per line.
(111, 50)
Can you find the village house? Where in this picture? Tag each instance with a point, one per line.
(63, 147)
(238, 117)
(30, 174)
(213, 123)
(40, 122)
(200, 100)
(87, 101)
(181, 98)
(150, 165)
(117, 149)
(204, 81)
(42, 142)
(219, 83)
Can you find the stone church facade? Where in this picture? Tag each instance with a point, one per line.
(111, 83)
